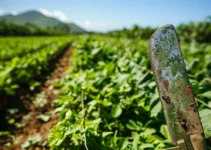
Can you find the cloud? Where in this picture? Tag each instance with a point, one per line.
(56, 14)
(1, 11)
(87, 23)
(14, 12)
(101, 26)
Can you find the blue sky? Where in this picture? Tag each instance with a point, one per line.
(105, 15)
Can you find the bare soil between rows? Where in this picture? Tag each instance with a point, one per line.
(28, 116)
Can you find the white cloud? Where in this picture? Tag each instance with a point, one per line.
(87, 23)
(56, 14)
(1, 11)
(14, 12)
(101, 26)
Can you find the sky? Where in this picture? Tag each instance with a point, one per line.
(106, 15)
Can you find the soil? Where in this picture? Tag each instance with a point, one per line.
(34, 127)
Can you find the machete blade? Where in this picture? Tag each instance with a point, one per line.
(174, 89)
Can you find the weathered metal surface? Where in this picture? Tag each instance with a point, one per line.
(173, 85)
(181, 146)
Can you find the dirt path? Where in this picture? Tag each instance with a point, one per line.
(41, 116)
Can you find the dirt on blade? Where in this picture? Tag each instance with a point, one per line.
(40, 116)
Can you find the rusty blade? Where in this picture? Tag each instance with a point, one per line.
(173, 86)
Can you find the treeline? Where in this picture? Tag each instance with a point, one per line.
(193, 31)
(134, 32)
(200, 31)
(11, 29)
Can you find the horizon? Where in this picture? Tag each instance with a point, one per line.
(104, 16)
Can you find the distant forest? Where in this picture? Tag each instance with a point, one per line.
(193, 31)
(28, 29)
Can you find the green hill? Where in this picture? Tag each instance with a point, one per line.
(39, 19)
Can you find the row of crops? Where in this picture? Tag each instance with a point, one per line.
(18, 47)
(23, 60)
(109, 98)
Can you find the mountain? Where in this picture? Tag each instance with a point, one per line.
(39, 19)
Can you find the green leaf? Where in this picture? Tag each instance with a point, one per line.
(43, 117)
(146, 145)
(149, 131)
(4, 133)
(116, 111)
(104, 134)
(95, 51)
(164, 131)
(123, 144)
(205, 119)
(14, 86)
(12, 110)
(121, 78)
(68, 114)
(25, 145)
(132, 125)
(156, 109)
(73, 129)
(35, 139)
(11, 121)
(94, 123)
(206, 94)
(136, 141)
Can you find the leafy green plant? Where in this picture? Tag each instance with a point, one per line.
(109, 98)
(118, 94)
(23, 70)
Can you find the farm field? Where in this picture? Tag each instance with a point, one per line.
(23, 60)
(89, 92)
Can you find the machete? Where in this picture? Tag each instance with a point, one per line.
(175, 91)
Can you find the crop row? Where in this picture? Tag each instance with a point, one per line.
(22, 72)
(11, 47)
(110, 101)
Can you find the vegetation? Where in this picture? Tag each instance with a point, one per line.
(22, 46)
(20, 70)
(136, 32)
(194, 31)
(10, 29)
(200, 32)
(110, 100)
(43, 22)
